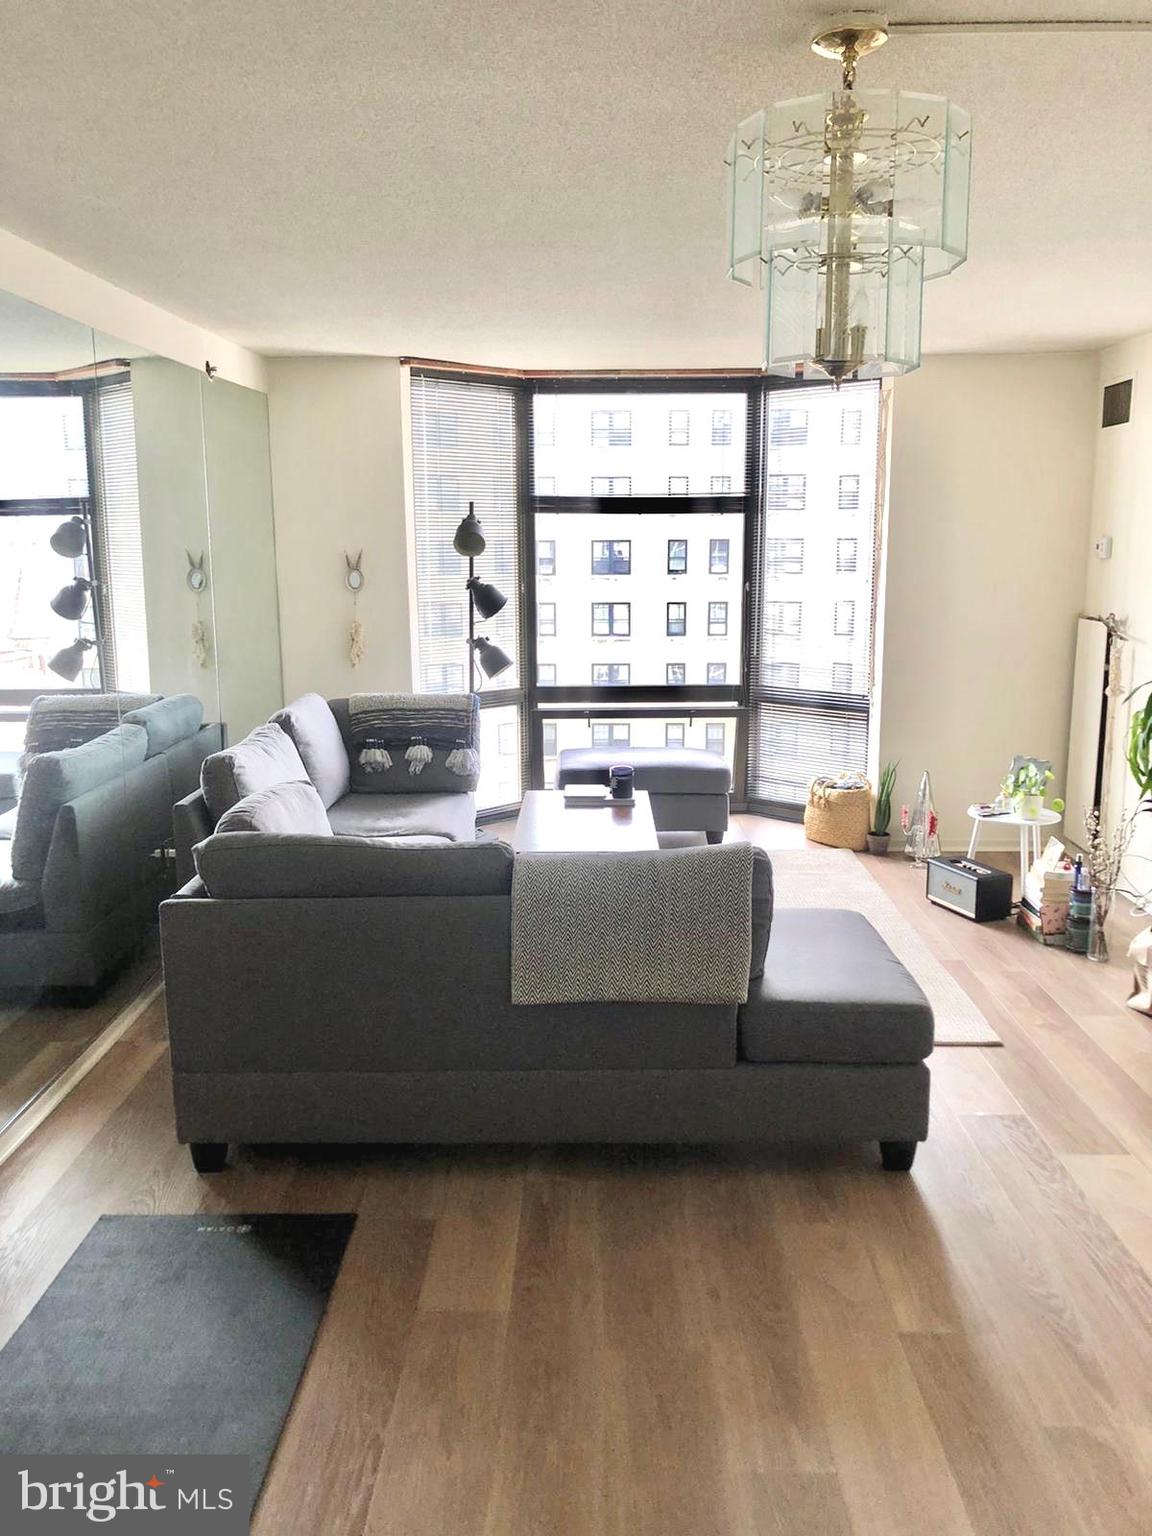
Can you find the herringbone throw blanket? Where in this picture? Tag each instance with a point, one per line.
(666, 926)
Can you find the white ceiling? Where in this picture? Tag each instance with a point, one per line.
(534, 182)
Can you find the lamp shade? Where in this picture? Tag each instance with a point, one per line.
(469, 538)
(71, 601)
(69, 539)
(492, 659)
(488, 599)
(69, 662)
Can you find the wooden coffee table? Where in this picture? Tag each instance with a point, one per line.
(547, 825)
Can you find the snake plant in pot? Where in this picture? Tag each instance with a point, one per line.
(882, 811)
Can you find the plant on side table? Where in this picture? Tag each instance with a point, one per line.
(882, 813)
(1026, 787)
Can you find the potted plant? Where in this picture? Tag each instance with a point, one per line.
(882, 812)
(1107, 846)
(1025, 786)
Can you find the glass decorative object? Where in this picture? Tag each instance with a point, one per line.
(921, 825)
(842, 205)
(1098, 931)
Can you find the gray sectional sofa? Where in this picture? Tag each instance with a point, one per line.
(79, 880)
(335, 988)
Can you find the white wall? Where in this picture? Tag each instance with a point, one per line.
(339, 476)
(990, 493)
(1122, 508)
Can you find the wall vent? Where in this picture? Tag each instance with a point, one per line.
(1117, 404)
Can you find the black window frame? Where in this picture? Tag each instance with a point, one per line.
(540, 557)
(668, 665)
(619, 733)
(674, 440)
(610, 434)
(713, 546)
(608, 566)
(549, 633)
(675, 725)
(721, 619)
(612, 666)
(677, 570)
(675, 634)
(612, 631)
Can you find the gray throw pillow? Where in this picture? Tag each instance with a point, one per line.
(236, 867)
(168, 720)
(312, 726)
(55, 778)
(293, 809)
(265, 756)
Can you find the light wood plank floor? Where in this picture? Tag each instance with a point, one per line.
(661, 1342)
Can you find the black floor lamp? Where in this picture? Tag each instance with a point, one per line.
(483, 599)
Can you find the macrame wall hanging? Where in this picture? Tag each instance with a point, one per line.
(354, 581)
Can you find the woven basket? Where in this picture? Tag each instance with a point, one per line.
(838, 818)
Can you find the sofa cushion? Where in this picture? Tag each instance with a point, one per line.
(54, 778)
(238, 866)
(662, 770)
(266, 756)
(15, 895)
(168, 721)
(832, 991)
(762, 898)
(312, 726)
(360, 815)
(59, 720)
(293, 808)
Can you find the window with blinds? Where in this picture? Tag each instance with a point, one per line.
(118, 548)
(464, 435)
(813, 577)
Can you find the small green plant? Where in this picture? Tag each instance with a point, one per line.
(1028, 779)
(882, 815)
(1139, 753)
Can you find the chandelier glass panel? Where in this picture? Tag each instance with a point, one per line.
(842, 205)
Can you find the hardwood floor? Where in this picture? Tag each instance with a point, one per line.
(669, 1342)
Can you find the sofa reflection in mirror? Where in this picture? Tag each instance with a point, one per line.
(82, 863)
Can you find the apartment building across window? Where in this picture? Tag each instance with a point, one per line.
(678, 428)
(611, 485)
(546, 620)
(611, 618)
(613, 733)
(849, 493)
(674, 674)
(506, 734)
(545, 485)
(786, 493)
(612, 429)
(787, 428)
(782, 674)
(546, 674)
(718, 557)
(543, 425)
(850, 426)
(606, 674)
(446, 619)
(844, 622)
(546, 557)
(717, 673)
(677, 557)
(677, 485)
(846, 556)
(721, 429)
(444, 677)
(549, 731)
(714, 734)
(717, 618)
(842, 676)
(783, 557)
(611, 557)
(721, 485)
(677, 620)
(783, 619)
(674, 734)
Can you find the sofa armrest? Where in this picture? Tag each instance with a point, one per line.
(191, 823)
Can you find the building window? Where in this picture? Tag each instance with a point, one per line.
(782, 674)
(677, 620)
(786, 493)
(611, 429)
(677, 556)
(445, 677)
(787, 428)
(674, 674)
(717, 673)
(674, 734)
(611, 557)
(446, 619)
(677, 485)
(546, 557)
(546, 620)
(611, 734)
(783, 557)
(782, 619)
(549, 729)
(611, 485)
(543, 425)
(718, 557)
(545, 485)
(850, 425)
(721, 485)
(849, 493)
(721, 429)
(842, 676)
(717, 618)
(611, 618)
(506, 738)
(546, 674)
(605, 674)
(846, 555)
(844, 622)
(714, 736)
(678, 429)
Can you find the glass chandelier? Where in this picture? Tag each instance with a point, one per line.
(841, 206)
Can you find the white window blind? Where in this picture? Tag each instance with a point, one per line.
(117, 507)
(812, 643)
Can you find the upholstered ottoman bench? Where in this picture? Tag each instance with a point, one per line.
(688, 788)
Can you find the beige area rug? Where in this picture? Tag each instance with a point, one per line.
(832, 877)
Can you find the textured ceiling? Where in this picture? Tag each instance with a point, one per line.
(538, 184)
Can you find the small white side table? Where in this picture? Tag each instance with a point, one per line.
(1029, 833)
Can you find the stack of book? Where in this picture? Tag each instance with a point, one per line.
(1043, 907)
